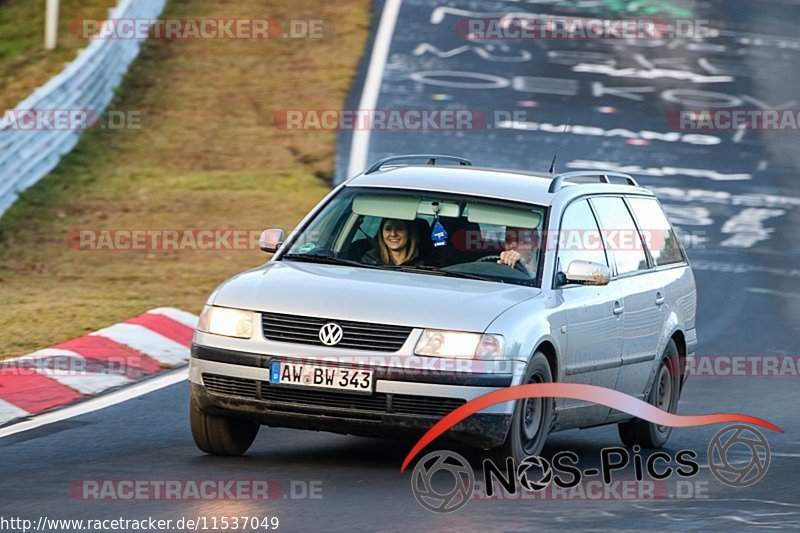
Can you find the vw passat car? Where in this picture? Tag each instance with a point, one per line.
(413, 288)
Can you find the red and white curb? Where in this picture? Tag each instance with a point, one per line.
(111, 357)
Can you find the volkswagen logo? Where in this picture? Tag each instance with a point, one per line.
(331, 334)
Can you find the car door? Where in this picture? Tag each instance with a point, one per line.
(642, 293)
(593, 328)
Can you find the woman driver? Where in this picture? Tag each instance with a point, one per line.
(397, 244)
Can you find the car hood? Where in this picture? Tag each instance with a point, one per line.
(371, 295)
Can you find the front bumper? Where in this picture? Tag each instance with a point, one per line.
(402, 405)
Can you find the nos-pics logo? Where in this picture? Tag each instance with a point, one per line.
(443, 481)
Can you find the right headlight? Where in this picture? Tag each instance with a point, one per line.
(226, 321)
(459, 344)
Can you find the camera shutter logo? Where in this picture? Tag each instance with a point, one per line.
(331, 334)
(456, 494)
(537, 463)
(723, 464)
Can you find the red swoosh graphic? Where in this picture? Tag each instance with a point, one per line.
(589, 393)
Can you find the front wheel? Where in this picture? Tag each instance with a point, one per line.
(220, 435)
(664, 394)
(532, 417)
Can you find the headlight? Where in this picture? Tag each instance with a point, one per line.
(459, 345)
(225, 321)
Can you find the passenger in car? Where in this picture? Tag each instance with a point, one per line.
(397, 244)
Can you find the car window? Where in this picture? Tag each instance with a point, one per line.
(620, 235)
(658, 234)
(452, 234)
(579, 237)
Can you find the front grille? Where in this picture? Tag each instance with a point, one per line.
(425, 405)
(245, 388)
(319, 398)
(357, 335)
(361, 405)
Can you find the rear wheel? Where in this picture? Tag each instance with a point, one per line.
(664, 394)
(532, 417)
(220, 435)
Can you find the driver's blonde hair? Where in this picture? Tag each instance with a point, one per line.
(408, 250)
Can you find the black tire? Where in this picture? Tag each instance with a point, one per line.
(220, 435)
(532, 418)
(664, 394)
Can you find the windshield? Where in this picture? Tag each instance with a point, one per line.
(427, 232)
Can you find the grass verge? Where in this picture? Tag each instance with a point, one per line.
(24, 63)
(206, 155)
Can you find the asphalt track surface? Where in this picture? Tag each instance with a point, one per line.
(745, 264)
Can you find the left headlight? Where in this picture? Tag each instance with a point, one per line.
(226, 321)
(459, 345)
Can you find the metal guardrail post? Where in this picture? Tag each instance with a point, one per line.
(51, 25)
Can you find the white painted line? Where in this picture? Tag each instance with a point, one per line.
(86, 382)
(10, 412)
(178, 315)
(100, 402)
(28, 361)
(759, 290)
(737, 137)
(359, 144)
(49, 352)
(148, 342)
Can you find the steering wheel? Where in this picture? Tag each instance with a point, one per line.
(495, 258)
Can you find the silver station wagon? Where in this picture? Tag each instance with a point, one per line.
(411, 289)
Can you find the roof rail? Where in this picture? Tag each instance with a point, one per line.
(432, 158)
(558, 182)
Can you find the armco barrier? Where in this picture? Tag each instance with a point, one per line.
(88, 83)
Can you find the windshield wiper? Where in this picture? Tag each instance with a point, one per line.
(327, 260)
(438, 271)
(330, 260)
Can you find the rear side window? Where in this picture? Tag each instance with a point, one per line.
(620, 235)
(657, 232)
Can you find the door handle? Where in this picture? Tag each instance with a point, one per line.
(618, 308)
(659, 298)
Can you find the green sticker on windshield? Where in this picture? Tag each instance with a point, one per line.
(307, 247)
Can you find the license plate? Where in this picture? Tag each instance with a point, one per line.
(320, 376)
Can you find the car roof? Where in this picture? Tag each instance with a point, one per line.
(530, 187)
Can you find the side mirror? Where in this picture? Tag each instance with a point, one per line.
(270, 240)
(587, 273)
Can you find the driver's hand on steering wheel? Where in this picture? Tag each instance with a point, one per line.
(509, 257)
